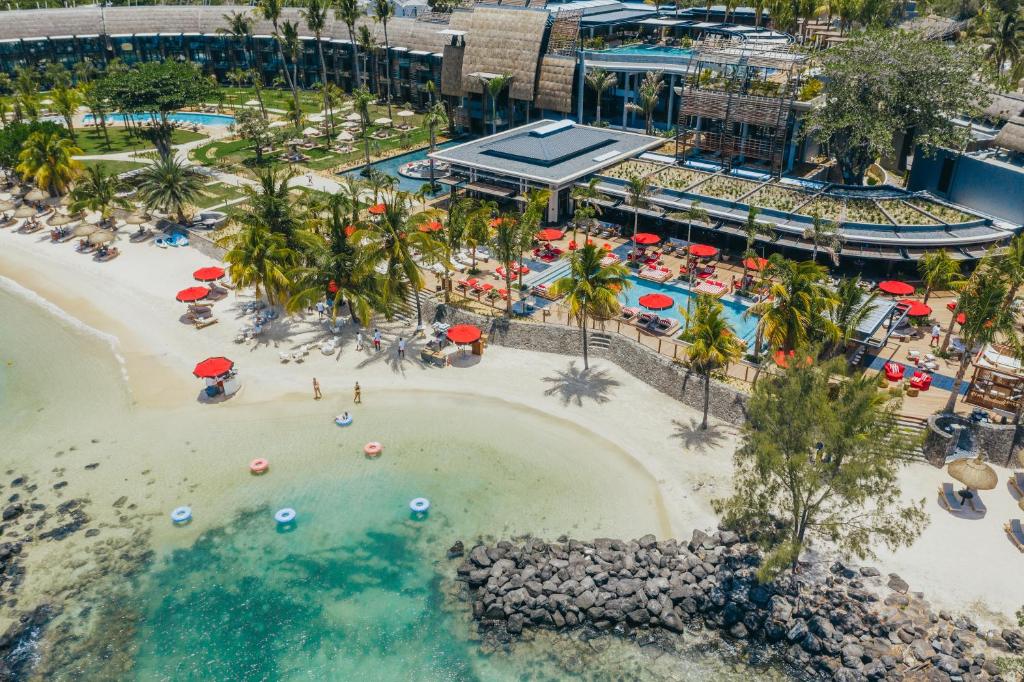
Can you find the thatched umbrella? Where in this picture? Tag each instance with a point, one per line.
(135, 219)
(25, 211)
(6, 204)
(354, 117)
(84, 230)
(59, 219)
(345, 136)
(37, 195)
(20, 190)
(101, 237)
(974, 474)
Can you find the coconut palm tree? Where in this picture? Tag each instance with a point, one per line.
(1003, 36)
(436, 117)
(851, 307)
(261, 259)
(1011, 264)
(47, 159)
(368, 45)
(271, 10)
(169, 185)
(98, 107)
(638, 191)
(599, 81)
(752, 229)
(293, 49)
(647, 96)
(98, 190)
(361, 101)
(257, 87)
(713, 343)
(66, 101)
(591, 289)
(824, 234)
(383, 10)
(271, 205)
(348, 12)
(478, 228)
(237, 26)
(506, 246)
(315, 16)
(938, 270)
(494, 86)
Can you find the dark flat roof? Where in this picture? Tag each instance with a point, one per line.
(617, 17)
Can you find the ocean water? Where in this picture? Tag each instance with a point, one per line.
(358, 588)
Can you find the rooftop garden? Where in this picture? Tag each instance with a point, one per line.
(946, 214)
(778, 198)
(865, 211)
(726, 187)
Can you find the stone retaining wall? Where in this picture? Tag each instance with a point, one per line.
(995, 442)
(661, 373)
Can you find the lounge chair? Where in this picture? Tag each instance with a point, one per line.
(285, 357)
(976, 504)
(949, 499)
(894, 371)
(1017, 483)
(1016, 533)
(628, 313)
(646, 319)
(206, 322)
(327, 348)
(665, 325)
(921, 381)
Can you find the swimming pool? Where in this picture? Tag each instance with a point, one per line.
(734, 310)
(650, 50)
(391, 166)
(190, 117)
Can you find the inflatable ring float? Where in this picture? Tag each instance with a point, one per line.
(286, 515)
(420, 505)
(259, 466)
(373, 449)
(181, 516)
(343, 419)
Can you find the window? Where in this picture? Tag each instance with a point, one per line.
(946, 175)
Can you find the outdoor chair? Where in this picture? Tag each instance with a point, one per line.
(1017, 483)
(1016, 533)
(949, 499)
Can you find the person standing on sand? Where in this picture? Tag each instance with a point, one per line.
(316, 390)
(401, 348)
(936, 331)
(357, 396)
(359, 340)
(376, 340)
(320, 309)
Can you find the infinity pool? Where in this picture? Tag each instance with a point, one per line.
(650, 50)
(190, 117)
(734, 310)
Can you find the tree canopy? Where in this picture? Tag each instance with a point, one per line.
(880, 83)
(13, 136)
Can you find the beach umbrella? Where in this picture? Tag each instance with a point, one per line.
(656, 301)
(377, 209)
(25, 211)
(210, 274)
(354, 117)
(463, 334)
(134, 219)
(211, 368)
(702, 250)
(405, 113)
(782, 358)
(755, 264)
(101, 237)
(37, 195)
(916, 308)
(896, 287)
(315, 118)
(382, 121)
(192, 294)
(646, 238)
(84, 230)
(961, 318)
(59, 219)
(6, 205)
(432, 226)
(974, 474)
(295, 142)
(549, 234)
(252, 103)
(310, 132)
(278, 124)
(344, 136)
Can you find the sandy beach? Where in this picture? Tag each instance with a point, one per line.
(960, 564)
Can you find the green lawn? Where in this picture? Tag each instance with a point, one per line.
(113, 166)
(311, 101)
(92, 142)
(218, 193)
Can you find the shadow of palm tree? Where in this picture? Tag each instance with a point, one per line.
(694, 439)
(573, 385)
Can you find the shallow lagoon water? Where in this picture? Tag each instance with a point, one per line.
(358, 588)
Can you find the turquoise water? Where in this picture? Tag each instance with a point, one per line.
(391, 166)
(189, 117)
(649, 50)
(734, 310)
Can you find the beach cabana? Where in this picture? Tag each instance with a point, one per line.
(219, 374)
(998, 381)
(895, 287)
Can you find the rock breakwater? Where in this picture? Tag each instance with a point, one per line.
(844, 624)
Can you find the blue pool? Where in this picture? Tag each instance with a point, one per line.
(650, 50)
(391, 166)
(190, 117)
(744, 326)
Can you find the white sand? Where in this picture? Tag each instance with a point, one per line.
(958, 563)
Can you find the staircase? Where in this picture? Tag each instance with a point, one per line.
(912, 427)
(599, 340)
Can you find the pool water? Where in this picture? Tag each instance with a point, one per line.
(650, 50)
(391, 166)
(745, 327)
(190, 117)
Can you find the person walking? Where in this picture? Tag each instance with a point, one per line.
(376, 340)
(401, 348)
(357, 396)
(320, 310)
(359, 340)
(936, 332)
(316, 390)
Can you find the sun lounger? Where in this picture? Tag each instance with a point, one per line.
(202, 324)
(646, 319)
(949, 499)
(285, 357)
(1016, 533)
(976, 504)
(664, 325)
(328, 347)
(628, 313)
(1017, 482)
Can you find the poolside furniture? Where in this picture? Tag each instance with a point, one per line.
(646, 319)
(628, 313)
(976, 505)
(327, 347)
(285, 357)
(655, 274)
(914, 356)
(921, 381)
(711, 287)
(205, 322)
(949, 499)
(609, 258)
(1016, 533)
(1017, 483)
(664, 325)
(894, 371)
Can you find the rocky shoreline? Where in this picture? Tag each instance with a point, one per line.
(849, 624)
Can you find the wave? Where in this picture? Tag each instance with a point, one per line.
(67, 319)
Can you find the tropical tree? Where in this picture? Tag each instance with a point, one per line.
(822, 233)
(271, 205)
(257, 88)
(1002, 33)
(599, 81)
(66, 101)
(26, 93)
(383, 10)
(494, 86)
(938, 270)
(271, 10)
(752, 229)
(638, 191)
(436, 117)
(796, 309)
(315, 16)
(368, 45)
(348, 12)
(361, 100)
(237, 26)
(478, 228)
(1011, 264)
(713, 343)
(850, 308)
(591, 289)
(820, 460)
(647, 96)
(47, 159)
(261, 259)
(587, 209)
(97, 190)
(169, 185)
(506, 246)
(293, 48)
(250, 125)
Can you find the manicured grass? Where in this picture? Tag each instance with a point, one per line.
(218, 193)
(113, 166)
(311, 101)
(91, 140)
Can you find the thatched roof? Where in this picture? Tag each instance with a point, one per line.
(554, 85)
(1004, 106)
(451, 70)
(502, 41)
(1011, 137)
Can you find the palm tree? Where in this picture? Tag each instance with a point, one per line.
(261, 259)
(395, 242)
(506, 246)
(822, 233)
(587, 209)
(66, 101)
(98, 107)
(382, 12)
(348, 12)
(938, 270)
(478, 228)
(1011, 264)
(599, 81)
(368, 44)
(98, 190)
(850, 309)
(47, 159)
(436, 117)
(272, 12)
(638, 190)
(1003, 36)
(494, 87)
(361, 101)
(986, 319)
(237, 26)
(315, 15)
(271, 205)
(292, 48)
(591, 290)
(169, 185)
(713, 343)
(257, 86)
(752, 229)
(647, 95)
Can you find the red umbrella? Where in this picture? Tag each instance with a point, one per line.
(192, 294)
(646, 238)
(550, 234)
(755, 264)
(432, 226)
(702, 250)
(208, 274)
(782, 358)
(896, 287)
(916, 308)
(656, 301)
(378, 209)
(463, 334)
(350, 230)
(210, 368)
